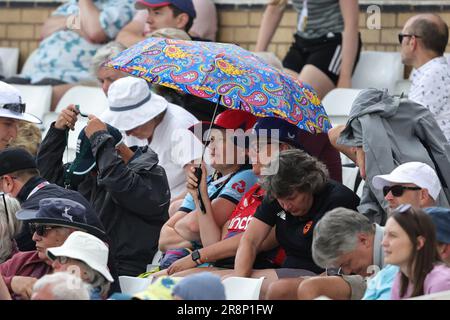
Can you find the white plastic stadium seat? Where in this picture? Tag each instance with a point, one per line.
(240, 288)
(133, 285)
(37, 98)
(9, 60)
(338, 103)
(92, 100)
(378, 70)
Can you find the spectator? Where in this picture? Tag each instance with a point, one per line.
(134, 109)
(106, 75)
(29, 137)
(55, 220)
(205, 23)
(21, 180)
(202, 286)
(127, 188)
(415, 183)
(327, 44)
(298, 196)
(273, 135)
(87, 257)
(156, 14)
(406, 124)
(9, 227)
(441, 220)
(60, 286)
(220, 193)
(12, 111)
(423, 42)
(410, 242)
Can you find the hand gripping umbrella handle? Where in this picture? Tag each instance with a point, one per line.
(198, 175)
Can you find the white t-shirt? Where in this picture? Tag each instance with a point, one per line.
(176, 146)
(431, 87)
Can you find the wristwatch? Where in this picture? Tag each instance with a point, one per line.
(195, 255)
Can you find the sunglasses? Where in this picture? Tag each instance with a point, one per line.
(62, 259)
(14, 107)
(397, 190)
(404, 35)
(41, 229)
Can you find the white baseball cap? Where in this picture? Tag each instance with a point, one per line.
(11, 105)
(418, 173)
(132, 104)
(87, 248)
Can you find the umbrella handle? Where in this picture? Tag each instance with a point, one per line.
(198, 175)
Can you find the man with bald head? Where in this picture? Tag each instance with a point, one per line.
(423, 41)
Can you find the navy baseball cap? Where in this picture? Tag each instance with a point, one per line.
(15, 159)
(60, 212)
(287, 132)
(441, 220)
(84, 158)
(184, 5)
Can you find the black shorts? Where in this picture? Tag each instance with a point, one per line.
(324, 53)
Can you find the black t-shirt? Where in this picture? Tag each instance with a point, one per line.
(295, 234)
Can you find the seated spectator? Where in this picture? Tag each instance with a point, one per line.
(138, 112)
(220, 193)
(272, 135)
(87, 257)
(155, 14)
(55, 220)
(21, 180)
(406, 124)
(9, 226)
(29, 137)
(12, 112)
(106, 75)
(380, 286)
(202, 286)
(423, 42)
(128, 189)
(71, 37)
(60, 286)
(415, 183)
(410, 243)
(298, 196)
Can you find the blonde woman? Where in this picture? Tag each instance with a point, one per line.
(327, 43)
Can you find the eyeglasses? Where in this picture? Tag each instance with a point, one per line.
(62, 259)
(403, 35)
(14, 107)
(41, 229)
(397, 190)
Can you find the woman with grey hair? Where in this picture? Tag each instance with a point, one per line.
(298, 196)
(9, 226)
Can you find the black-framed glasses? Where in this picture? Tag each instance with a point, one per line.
(14, 107)
(41, 229)
(397, 190)
(404, 35)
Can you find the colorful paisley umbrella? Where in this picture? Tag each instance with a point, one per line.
(227, 74)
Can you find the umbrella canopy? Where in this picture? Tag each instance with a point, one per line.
(225, 74)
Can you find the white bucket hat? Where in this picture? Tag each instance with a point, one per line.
(418, 173)
(87, 248)
(132, 104)
(11, 105)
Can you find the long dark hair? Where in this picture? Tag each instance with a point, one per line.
(417, 223)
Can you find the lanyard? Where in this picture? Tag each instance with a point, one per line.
(37, 188)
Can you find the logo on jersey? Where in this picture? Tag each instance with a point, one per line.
(239, 186)
(307, 227)
(282, 215)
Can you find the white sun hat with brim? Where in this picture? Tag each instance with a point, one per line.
(132, 104)
(11, 105)
(86, 248)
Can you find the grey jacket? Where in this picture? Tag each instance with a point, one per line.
(131, 200)
(393, 131)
